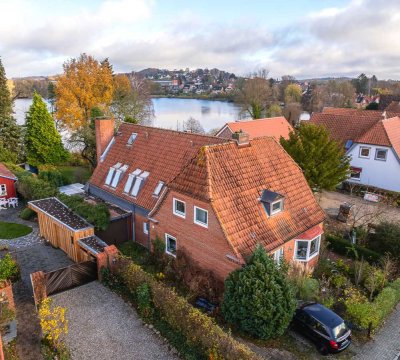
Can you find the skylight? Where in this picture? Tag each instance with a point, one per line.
(118, 174)
(139, 183)
(132, 138)
(111, 173)
(110, 144)
(158, 188)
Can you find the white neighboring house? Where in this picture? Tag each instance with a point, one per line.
(375, 156)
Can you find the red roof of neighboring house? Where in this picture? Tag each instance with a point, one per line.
(161, 152)
(276, 127)
(394, 106)
(232, 178)
(4, 172)
(392, 127)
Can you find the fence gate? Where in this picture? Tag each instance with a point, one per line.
(70, 277)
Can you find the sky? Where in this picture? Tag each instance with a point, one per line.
(302, 38)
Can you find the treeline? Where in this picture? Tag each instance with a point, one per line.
(25, 88)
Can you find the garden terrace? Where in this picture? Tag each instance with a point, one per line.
(60, 212)
(115, 211)
(93, 244)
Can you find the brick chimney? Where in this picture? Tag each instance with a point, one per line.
(242, 138)
(104, 133)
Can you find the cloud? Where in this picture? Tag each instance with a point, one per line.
(37, 37)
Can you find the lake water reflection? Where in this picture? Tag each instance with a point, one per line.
(171, 113)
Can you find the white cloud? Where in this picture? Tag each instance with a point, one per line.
(37, 37)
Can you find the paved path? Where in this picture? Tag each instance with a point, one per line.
(386, 344)
(102, 327)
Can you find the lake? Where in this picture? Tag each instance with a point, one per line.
(171, 113)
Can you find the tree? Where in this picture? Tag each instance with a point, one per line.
(86, 83)
(255, 96)
(293, 93)
(361, 84)
(322, 159)
(10, 132)
(192, 125)
(42, 140)
(292, 112)
(132, 100)
(5, 96)
(274, 110)
(258, 299)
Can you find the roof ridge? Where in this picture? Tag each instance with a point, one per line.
(154, 128)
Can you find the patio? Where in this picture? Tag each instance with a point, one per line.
(8, 203)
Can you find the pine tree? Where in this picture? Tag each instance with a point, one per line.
(258, 299)
(10, 132)
(322, 159)
(43, 143)
(5, 96)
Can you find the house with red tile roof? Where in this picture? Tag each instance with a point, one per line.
(7, 183)
(275, 127)
(371, 139)
(213, 198)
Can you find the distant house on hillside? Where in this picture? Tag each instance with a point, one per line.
(275, 127)
(7, 183)
(212, 198)
(371, 139)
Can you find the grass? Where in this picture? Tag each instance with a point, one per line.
(75, 174)
(13, 230)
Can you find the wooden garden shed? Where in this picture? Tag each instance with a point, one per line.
(62, 227)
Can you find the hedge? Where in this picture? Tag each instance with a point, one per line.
(198, 328)
(375, 312)
(342, 246)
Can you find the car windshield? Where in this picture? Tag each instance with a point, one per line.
(339, 330)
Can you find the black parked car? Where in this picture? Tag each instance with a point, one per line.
(324, 327)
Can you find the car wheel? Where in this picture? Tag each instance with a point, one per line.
(323, 350)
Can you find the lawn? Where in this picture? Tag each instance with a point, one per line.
(13, 230)
(75, 174)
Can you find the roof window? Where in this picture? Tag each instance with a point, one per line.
(158, 188)
(118, 173)
(110, 144)
(135, 182)
(111, 173)
(132, 138)
(272, 202)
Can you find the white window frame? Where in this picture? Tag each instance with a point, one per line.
(166, 244)
(363, 148)
(146, 228)
(177, 212)
(308, 256)
(376, 153)
(280, 208)
(3, 190)
(279, 255)
(200, 223)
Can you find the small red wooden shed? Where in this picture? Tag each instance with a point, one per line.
(7, 183)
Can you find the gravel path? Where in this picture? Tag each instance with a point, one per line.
(102, 327)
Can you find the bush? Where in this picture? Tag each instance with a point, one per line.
(143, 298)
(344, 247)
(98, 214)
(33, 188)
(338, 281)
(52, 176)
(8, 268)
(199, 329)
(386, 239)
(309, 289)
(258, 299)
(27, 214)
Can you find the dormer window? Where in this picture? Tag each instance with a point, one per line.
(272, 202)
(132, 138)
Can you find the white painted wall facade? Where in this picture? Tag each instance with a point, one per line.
(378, 173)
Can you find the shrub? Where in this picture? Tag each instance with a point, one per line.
(143, 298)
(52, 176)
(33, 188)
(344, 247)
(27, 214)
(8, 268)
(97, 214)
(258, 299)
(309, 289)
(199, 329)
(338, 281)
(386, 239)
(304, 286)
(324, 268)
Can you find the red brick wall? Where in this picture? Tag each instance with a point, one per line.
(140, 236)
(10, 186)
(207, 246)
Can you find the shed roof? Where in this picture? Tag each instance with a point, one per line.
(61, 213)
(5, 173)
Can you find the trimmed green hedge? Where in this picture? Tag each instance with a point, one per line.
(199, 329)
(342, 246)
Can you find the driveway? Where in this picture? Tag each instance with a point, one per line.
(102, 327)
